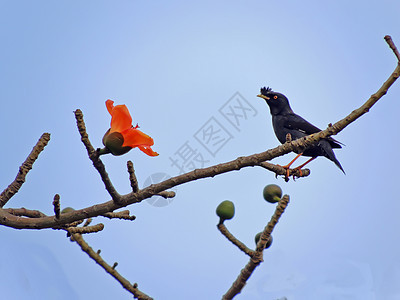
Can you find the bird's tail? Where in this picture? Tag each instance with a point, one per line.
(331, 155)
(337, 163)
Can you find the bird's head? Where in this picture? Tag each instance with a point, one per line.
(277, 102)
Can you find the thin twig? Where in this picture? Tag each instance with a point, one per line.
(14, 187)
(257, 258)
(392, 46)
(94, 157)
(74, 224)
(123, 215)
(87, 229)
(137, 294)
(23, 212)
(87, 222)
(56, 204)
(132, 177)
(222, 228)
(68, 225)
(167, 194)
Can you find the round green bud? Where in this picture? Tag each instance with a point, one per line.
(67, 210)
(272, 193)
(257, 238)
(114, 141)
(226, 210)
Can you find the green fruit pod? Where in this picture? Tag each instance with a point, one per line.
(226, 210)
(257, 238)
(272, 193)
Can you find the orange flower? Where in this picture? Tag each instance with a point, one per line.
(122, 136)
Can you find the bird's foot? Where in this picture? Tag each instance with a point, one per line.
(295, 173)
(300, 172)
(286, 167)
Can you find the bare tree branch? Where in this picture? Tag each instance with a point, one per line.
(32, 219)
(137, 294)
(10, 220)
(132, 177)
(56, 204)
(167, 194)
(86, 229)
(14, 187)
(123, 215)
(68, 225)
(392, 46)
(94, 156)
(87, 222)
(222, 228)
(23, 212)
(257, 258)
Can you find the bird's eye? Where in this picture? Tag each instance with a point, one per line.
(275, 97)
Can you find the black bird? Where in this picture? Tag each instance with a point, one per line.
(285, 121)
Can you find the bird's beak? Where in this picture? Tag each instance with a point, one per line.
(264, 97)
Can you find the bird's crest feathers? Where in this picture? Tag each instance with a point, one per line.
(265, 90)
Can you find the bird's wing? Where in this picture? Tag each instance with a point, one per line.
(295, 122)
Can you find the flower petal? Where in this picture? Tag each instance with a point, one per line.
(121, 119)
(110, 106)
(134, 137)
(148, 151)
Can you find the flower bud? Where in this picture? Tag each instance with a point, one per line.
(114, 141)
(272, 193)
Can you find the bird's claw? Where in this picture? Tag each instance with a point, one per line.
(287, 175)
(295, 173)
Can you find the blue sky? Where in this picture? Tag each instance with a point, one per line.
(175, 65)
